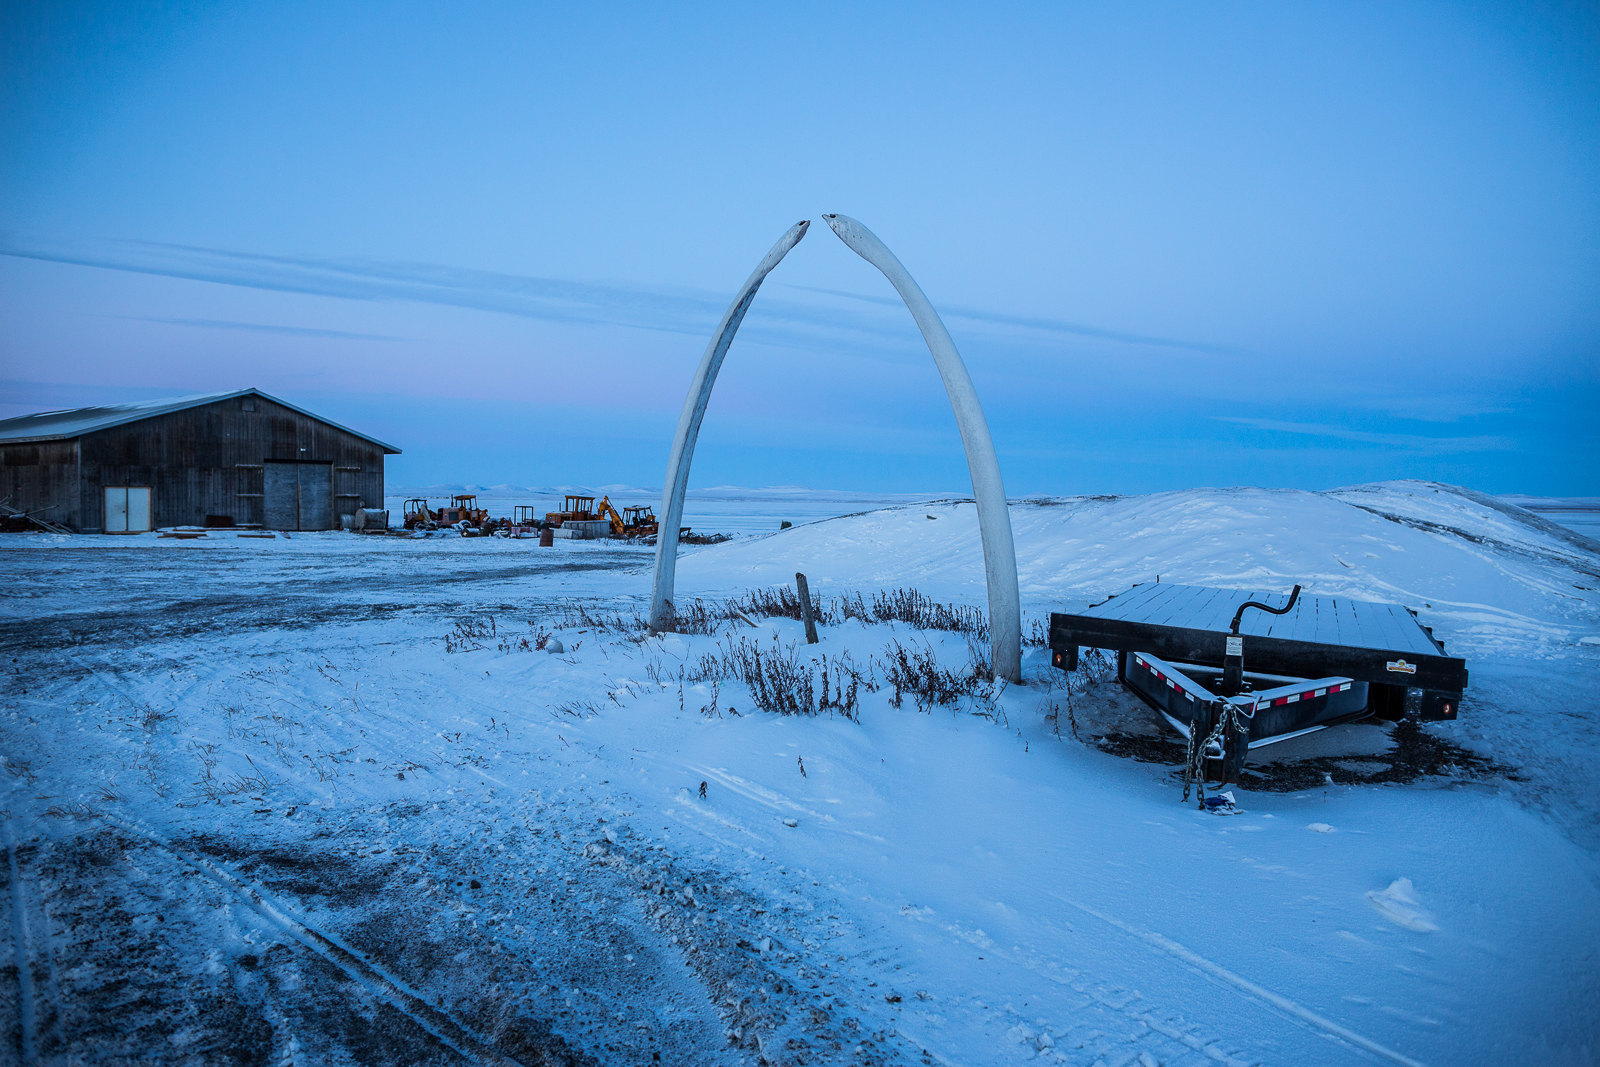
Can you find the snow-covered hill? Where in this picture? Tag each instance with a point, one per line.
(1490, 574)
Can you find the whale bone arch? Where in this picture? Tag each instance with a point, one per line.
(994, 521)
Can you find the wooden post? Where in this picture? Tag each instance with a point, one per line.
(805, 608)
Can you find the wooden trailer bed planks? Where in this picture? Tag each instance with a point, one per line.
(1315, 619)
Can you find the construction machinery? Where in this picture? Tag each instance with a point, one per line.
(638, 521)
(575, 508)
(462, 508)
(630, 522)
(522, 524)
(417, 515)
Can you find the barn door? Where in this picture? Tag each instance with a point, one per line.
(280, 489)
(298, 496)
(138, 508)
(127, 509)
(316, 496)
(116, 509)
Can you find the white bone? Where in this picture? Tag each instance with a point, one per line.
(994, 521)
(694, 411)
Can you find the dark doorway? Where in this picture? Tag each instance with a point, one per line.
(298, 496)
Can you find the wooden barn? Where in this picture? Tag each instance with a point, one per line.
(225, 459)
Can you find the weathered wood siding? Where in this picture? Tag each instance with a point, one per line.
(206, 460)
(42, 479)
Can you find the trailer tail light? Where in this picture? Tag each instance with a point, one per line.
(1064, 659)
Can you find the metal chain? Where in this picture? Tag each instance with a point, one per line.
(1194, 765)
(1191, 766)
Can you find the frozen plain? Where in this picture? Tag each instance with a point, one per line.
(258, 810)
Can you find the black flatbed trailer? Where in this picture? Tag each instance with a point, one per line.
(1303, 663)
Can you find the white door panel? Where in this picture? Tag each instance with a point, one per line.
(116, 509)
(127, 509)
(138, 509)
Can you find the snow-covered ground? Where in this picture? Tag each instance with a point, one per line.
(297, 801)
(1579, 513)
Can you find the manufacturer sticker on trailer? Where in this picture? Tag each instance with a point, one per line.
(1400, 666)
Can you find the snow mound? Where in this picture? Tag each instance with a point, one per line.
(1489, 576)
(1399, 904)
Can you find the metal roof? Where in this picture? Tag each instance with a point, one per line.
(65, 425)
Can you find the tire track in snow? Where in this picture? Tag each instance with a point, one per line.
(380, 732)
(1163, 1036)
(22, 947)
(384, 736)
(40, 1002)
(1180, 1038)
(382, 986)
(1292, 1008)
(772, 800)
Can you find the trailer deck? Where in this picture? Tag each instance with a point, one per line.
(1233, 670)
(1382, 645)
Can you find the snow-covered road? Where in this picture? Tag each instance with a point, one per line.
(271, 802)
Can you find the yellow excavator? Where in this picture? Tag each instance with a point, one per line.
(630, 522)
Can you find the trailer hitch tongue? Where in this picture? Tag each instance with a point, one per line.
(1219, 740)
(1233, 650)
(1233, 666)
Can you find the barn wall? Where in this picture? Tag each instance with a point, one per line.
(208, 460)
(42, 479)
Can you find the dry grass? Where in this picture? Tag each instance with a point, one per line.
(709, 618)
(73, 810)
(1095, 665)
(915, 672)
(780, 679)
(471, 634)
(21, 768)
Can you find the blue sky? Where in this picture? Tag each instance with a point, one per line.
(1178, 244)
